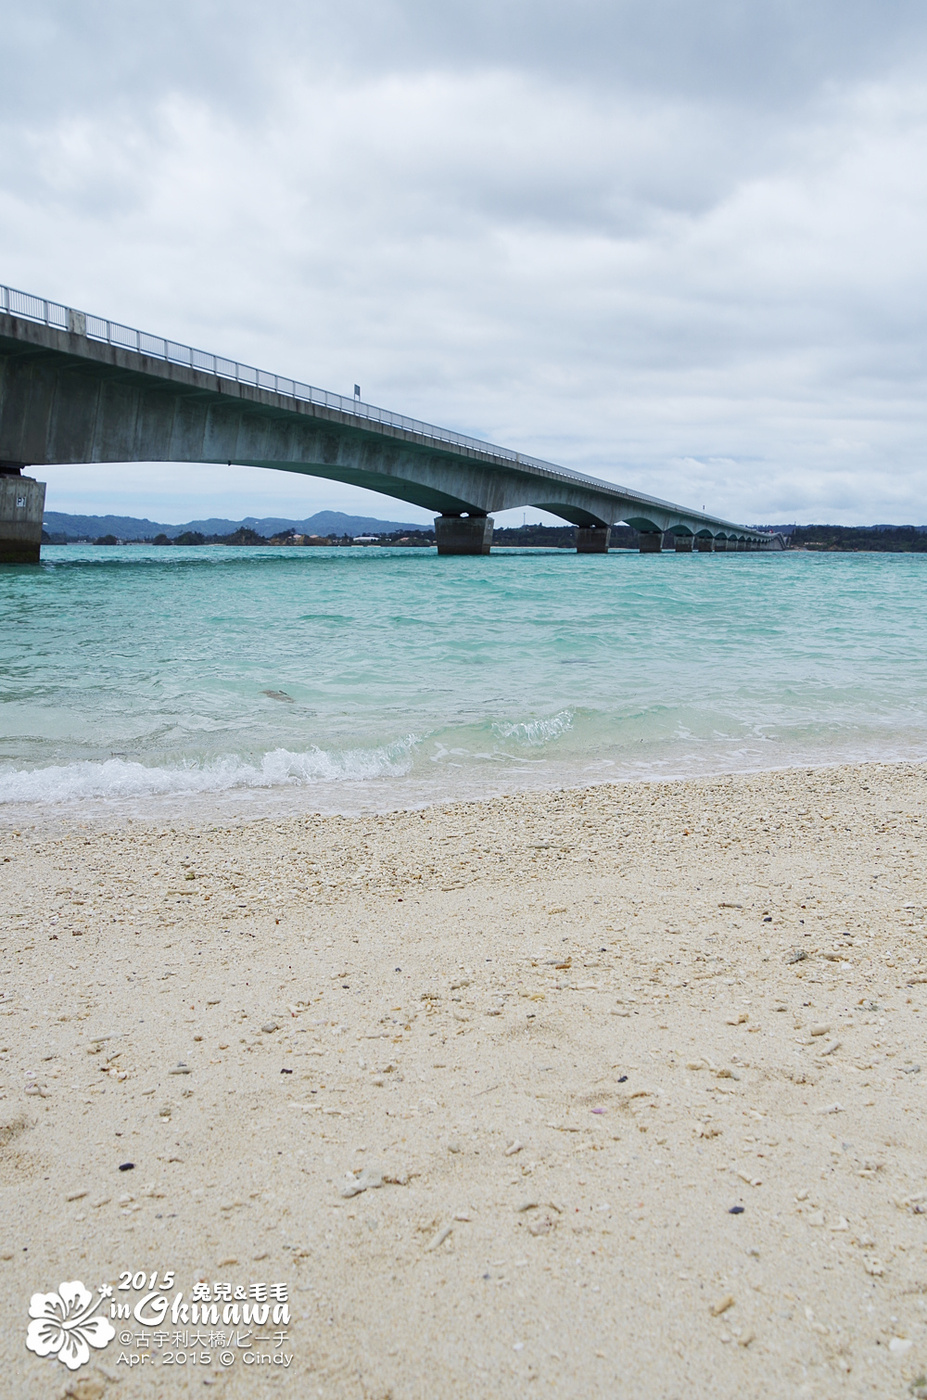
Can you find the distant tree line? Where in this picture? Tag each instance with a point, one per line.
(886, 539)
(246, 536)
(524, 536)
(242, 536)
(892, 539)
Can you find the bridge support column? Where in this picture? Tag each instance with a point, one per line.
(592, 539)
(456, 535)
(651, 543)
(683, 544)
(22, 505)
(705, 544)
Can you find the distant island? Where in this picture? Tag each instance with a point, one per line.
(60, 528)
(884, 539)
(329, 527)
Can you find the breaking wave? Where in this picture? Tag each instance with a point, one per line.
(121, 778)
(536, 732)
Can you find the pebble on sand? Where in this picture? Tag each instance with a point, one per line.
(438, 1239)
(368, 1180)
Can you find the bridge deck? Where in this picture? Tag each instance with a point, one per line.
(77, 388)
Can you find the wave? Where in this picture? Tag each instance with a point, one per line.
(119, 778)
(537, 732)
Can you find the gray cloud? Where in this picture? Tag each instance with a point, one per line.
(680, 246)
(719, 51)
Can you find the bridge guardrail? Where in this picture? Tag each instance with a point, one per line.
(52, 313)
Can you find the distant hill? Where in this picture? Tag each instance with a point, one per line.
(127, 527)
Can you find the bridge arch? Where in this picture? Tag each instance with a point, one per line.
(574, 515)
(645, 524)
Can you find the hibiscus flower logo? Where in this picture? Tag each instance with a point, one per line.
(65, 1326)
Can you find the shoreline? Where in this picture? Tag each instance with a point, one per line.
(237, 806)
(612, 1090)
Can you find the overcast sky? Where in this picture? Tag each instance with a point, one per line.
(676, 243)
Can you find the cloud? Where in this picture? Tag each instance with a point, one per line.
(676, 246)
(233, 53)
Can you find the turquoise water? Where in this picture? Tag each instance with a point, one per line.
(338, 679)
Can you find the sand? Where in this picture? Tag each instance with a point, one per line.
(608, 1092)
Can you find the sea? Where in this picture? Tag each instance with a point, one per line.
(188, 682)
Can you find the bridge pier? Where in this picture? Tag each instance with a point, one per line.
(683, 544)
(652, 542)
(22, 506)
(458, 535)
(705, 544)
(592, 539)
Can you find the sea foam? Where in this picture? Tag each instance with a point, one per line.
(537, 732)
(121, 778)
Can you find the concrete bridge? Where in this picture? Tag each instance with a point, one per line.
(76, 388)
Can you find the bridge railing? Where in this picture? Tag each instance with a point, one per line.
(52, 313)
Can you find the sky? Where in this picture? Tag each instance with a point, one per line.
(677, 245)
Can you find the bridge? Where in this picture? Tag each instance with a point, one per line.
(77, 388)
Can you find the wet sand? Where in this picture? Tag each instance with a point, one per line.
(608, 1092)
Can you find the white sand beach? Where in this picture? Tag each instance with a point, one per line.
(605, 1092)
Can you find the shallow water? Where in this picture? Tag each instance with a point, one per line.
(339, 679)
